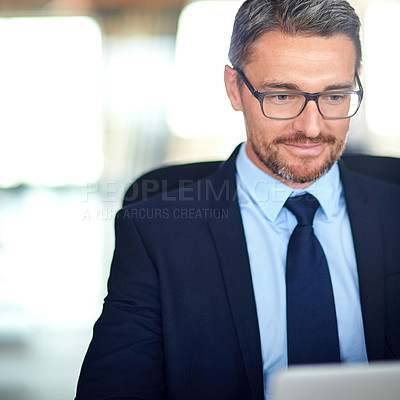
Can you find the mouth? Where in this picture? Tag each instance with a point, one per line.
(305, 149)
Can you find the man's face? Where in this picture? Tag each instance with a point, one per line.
(300, 150)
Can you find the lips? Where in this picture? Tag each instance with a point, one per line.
(305, 149)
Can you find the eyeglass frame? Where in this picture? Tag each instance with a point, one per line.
(308, 96)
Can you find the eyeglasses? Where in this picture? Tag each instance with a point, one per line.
(283, 105)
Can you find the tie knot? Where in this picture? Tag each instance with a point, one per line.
(303, 207)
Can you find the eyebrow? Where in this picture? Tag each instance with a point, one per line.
(268, 85)
(343, 86)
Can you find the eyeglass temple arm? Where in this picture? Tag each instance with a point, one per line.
(247, 83)
(360, 86)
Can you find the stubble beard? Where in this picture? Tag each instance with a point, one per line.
(307, 169)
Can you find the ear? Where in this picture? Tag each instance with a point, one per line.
(232, 88)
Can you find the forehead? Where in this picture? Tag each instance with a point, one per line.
(276, 55)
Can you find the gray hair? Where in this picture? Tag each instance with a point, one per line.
(295, 17)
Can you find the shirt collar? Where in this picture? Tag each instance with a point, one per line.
(270, 194)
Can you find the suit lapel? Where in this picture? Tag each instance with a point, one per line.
(368, 243)
(229, 240)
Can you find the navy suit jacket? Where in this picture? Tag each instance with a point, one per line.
(180, 321)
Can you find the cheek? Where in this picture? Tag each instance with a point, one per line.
(265, 129)
(339, 128)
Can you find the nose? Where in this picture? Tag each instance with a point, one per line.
(310, 121)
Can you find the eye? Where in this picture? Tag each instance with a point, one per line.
(335, 98)
(282, 98)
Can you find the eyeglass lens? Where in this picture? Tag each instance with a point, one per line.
(287, 105)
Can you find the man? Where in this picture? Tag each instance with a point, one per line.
(209, 305)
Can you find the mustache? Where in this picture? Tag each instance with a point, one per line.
(301, 138)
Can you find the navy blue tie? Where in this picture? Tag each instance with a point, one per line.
(311, 317)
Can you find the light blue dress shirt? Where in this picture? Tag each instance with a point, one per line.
(268, 226)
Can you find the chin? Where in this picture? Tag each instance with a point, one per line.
(304, 171)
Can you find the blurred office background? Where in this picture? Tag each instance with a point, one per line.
(93, 93)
